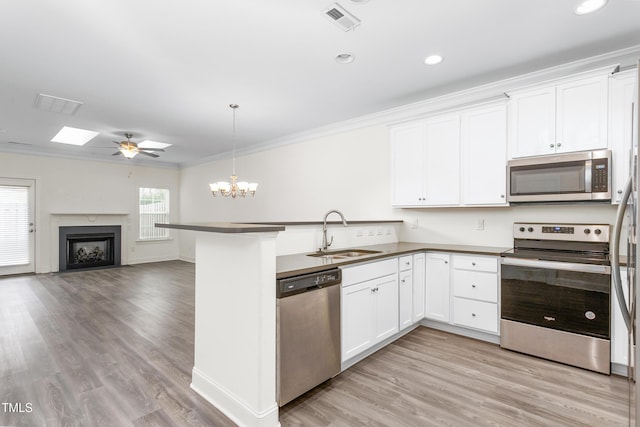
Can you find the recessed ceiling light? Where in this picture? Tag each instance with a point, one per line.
(345, 58)
(589, 6)
(359, 1)
(433, 59)
(74, 136)
(153, 144)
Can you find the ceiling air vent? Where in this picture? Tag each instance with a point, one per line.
(56, 105)
(341, 17)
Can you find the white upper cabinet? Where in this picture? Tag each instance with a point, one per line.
(484, 156)
(451, 159)
(533, 122)
(571, 116)
(620, 129)
(408, 164)
(425, 162)
(442, 155)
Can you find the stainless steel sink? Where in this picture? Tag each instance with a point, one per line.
(343, 254)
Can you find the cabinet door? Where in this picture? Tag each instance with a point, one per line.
(418, 286)
(357, 319)
(407, 164)
(437, 287)
(484, 156)
(385, 295)
(620, 129)
(406, 298)
(581, 118)
(533, 122)
(619, 333)
(442, 160)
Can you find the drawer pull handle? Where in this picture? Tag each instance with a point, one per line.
(473, 263)
(473, 286)
(473, 315)
(407, 263)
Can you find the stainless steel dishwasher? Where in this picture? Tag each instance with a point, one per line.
(308, 332)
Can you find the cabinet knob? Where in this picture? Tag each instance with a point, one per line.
(473, 263)
(473, 286)
(502, 196)
(551, 145)
(559, 144)
(407, 263)
(446, 262)
(402, 280)
(619, 191)
(473, 315)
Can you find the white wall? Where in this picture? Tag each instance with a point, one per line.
(349, 172)
(70, 191)
(298, 182)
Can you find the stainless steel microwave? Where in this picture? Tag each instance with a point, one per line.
(580, 176)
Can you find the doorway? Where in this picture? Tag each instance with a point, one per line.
(17, 229)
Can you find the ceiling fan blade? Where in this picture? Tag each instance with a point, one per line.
(117, 142)
(150, 149)
(148, 154)
(116, 153)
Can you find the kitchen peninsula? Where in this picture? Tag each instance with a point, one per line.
(235, 319)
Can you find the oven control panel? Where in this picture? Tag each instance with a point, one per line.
(567, 232)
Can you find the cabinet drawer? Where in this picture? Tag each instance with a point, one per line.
(405, 262)
(475, 263)
(475, 285)
(361, 272)
(475, 314)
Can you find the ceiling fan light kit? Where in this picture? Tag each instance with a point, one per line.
(233, 188)
(130, 149)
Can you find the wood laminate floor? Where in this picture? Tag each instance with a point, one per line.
(114, 347)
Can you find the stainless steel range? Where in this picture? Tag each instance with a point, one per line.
(555, 294)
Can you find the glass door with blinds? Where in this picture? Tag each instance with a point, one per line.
(17, 228)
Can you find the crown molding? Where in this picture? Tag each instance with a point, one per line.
(463, 98)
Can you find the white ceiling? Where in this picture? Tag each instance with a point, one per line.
(167, 70)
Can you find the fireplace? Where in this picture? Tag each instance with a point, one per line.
(88, 247)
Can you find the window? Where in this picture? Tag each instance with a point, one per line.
(153, 208)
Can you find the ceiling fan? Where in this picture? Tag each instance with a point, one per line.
(130, 149)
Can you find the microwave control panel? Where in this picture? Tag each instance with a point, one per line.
(600, 176)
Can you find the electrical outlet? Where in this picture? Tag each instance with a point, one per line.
(414, 224)
(480, 224)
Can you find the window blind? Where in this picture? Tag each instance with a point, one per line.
(153, 208)
(14, 226)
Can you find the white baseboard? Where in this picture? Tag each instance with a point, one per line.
(231, 405)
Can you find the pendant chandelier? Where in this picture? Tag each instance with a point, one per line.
(233, 188)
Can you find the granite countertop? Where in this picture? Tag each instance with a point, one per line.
(296, 264)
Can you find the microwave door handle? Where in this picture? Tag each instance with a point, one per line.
(587, 176)
(615, 253)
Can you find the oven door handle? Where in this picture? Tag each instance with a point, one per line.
(556, 265)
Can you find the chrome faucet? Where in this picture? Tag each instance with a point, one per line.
(325, 244)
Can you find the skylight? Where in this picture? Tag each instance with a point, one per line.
(74, 136)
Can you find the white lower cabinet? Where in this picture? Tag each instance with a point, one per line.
(463, 290)
(475, 314)
(406, 298)
(419, 278)
(437, 298)
(369, 306)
